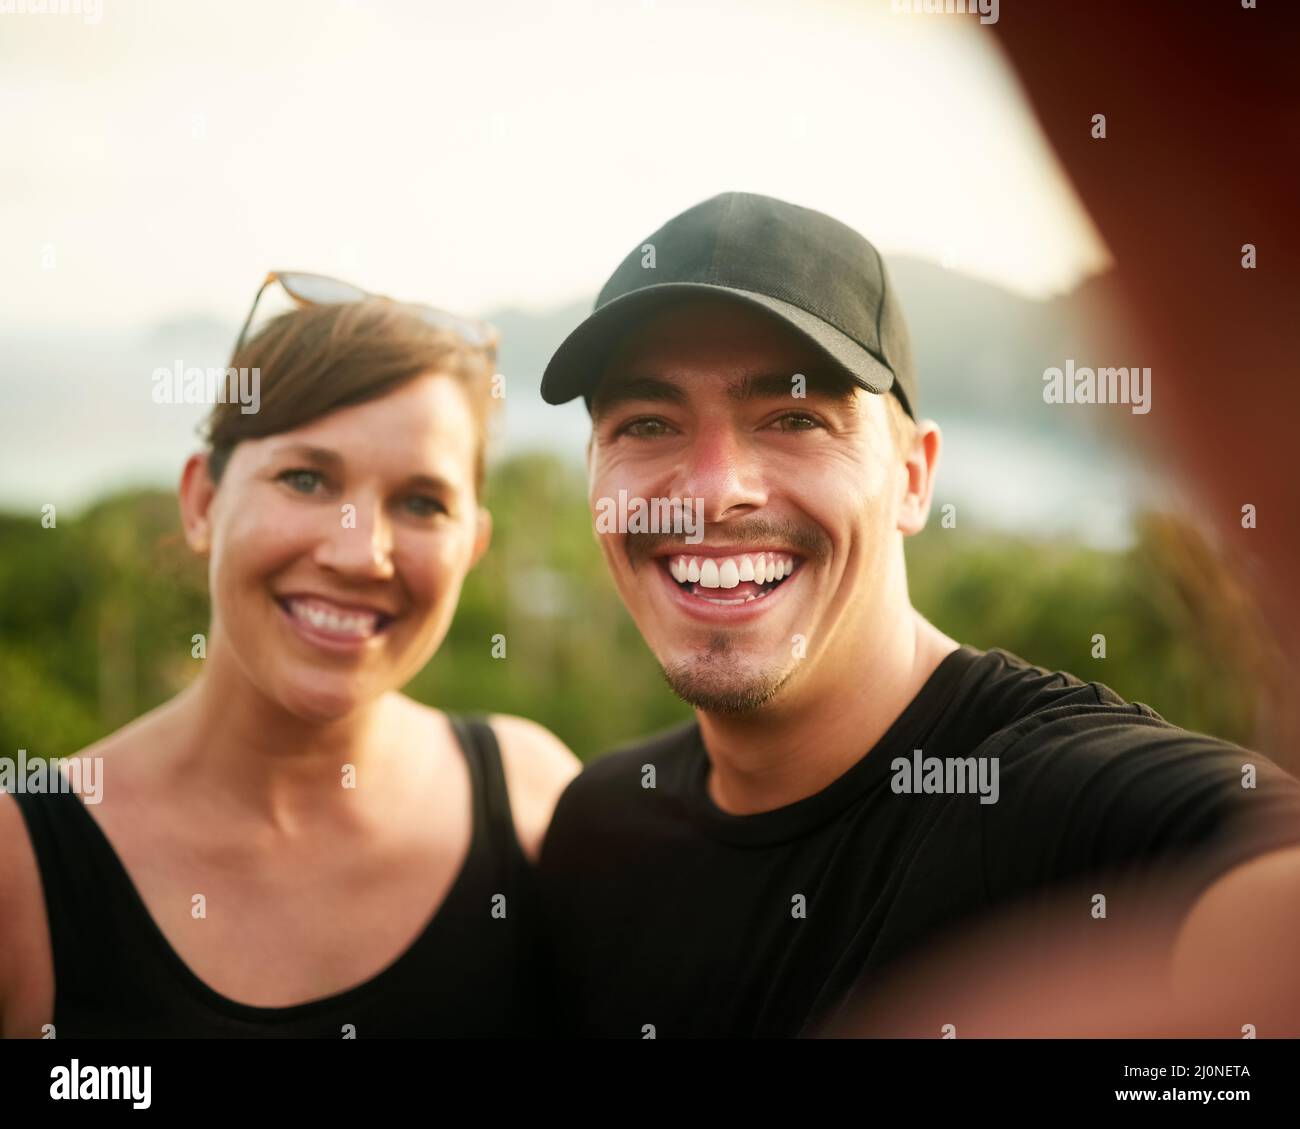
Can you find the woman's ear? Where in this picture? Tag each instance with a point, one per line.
(196, 493)
(482, 535)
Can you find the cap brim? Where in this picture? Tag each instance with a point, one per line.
(581, 358)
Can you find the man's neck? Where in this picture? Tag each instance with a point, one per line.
(802, 742)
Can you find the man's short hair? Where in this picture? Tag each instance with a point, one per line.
(901, 425)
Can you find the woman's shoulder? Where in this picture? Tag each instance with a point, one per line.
(85, 765)
(123, 767)
(26, 969)
(529, 751)
(26, 965)
(541, 751)
(537, 764)
(538, 767)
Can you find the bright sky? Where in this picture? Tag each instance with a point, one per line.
(474, 155)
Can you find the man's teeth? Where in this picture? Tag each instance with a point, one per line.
(325, 617)
(727, 572)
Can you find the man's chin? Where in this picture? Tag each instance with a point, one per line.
(717, 684)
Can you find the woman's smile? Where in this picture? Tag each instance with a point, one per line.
(334, 626)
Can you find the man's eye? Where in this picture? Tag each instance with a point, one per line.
(797, 421)
(425, 505)
(644, 428)
(301, 480)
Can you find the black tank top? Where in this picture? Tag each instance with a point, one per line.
(115, 975)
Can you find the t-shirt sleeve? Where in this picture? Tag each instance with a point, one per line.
(1153, 813)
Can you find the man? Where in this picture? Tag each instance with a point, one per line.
(856, 784)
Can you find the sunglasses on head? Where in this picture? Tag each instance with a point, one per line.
(319, 290)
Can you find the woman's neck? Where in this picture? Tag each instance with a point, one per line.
(245, 749)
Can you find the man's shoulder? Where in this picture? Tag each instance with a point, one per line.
(624, 766)
(1057, 735)
(614, 783)
(1053, 720)
(1007, 705)
(1017, 689)
(1089, 782)
(1115, 769)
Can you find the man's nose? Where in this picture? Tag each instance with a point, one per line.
(360, 544)
(724, 469)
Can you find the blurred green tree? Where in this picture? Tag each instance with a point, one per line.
(98, 614)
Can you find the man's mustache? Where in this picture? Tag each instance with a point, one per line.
(809, 542)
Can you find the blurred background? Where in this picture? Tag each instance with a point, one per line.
(499, 159)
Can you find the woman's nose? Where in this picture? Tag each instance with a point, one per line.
(361, 544)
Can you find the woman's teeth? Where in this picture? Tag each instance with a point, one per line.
(326, 617)
(727, 572)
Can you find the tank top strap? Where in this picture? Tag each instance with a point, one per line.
(494, 825)
(116, 974)
(88, 910)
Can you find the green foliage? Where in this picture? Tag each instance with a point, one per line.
(1181, 641)
(97, 615)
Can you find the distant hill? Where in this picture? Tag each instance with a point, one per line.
(80, 418)
(980, 351)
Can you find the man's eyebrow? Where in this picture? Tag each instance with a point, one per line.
(621, 390)
(775, 385)
(758, 386)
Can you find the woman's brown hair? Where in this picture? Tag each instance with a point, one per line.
(315, 360)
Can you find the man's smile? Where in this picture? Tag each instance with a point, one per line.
(723, 585)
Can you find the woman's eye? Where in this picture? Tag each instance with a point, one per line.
(797, 421)
(644, 428)
(425, 505)
(301, 480)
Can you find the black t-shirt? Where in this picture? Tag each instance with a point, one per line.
(664, 910)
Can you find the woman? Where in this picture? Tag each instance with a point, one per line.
(290, 846)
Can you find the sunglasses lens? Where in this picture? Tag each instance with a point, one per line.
(321, 291)
(470, 332)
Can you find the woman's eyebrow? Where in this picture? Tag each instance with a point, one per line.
(430, 482)
(331, 460)
(317, 456)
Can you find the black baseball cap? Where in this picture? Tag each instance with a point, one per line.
(814, 273)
